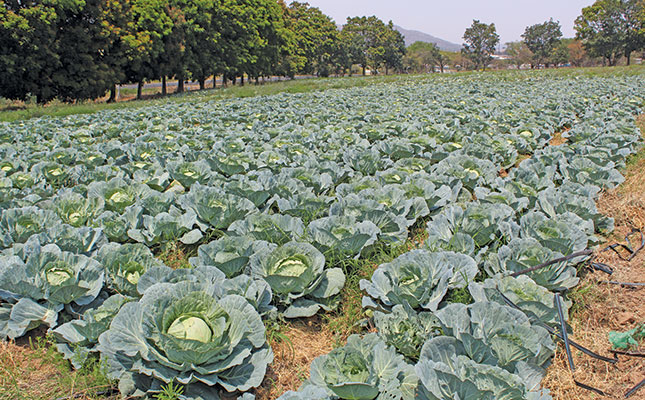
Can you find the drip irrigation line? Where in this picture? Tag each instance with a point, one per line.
(627, 247)
(563, 330)
(593, 389)
(602, 267)
(559, 336)
(635, 388)
(633, 284)
(628, 353)
(586, 252)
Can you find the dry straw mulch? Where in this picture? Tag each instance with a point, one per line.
(602, 307)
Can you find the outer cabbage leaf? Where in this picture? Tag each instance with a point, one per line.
(521, 254)
(78, 338)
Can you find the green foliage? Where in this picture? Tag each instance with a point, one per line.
(542, 39)
(372, 43)
(612, 28)
(481, 40)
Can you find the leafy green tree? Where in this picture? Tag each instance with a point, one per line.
(394, 45)
(54, 49)
(612, 28)
(422, 56)
(542, 39)
(372, 43)
(480, 41)
(520, 53)
(316, 38)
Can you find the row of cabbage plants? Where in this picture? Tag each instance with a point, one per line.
(273, 191)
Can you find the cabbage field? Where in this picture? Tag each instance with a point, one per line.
(271, 195)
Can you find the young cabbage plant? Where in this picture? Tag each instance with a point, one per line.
(445, 371)
(364, 369)
(124, 266)
(36, 282)
(406, 330)
(342, 235)
(496, 334)
(215, 208)
(229, 254)
(296, 273)
(273, 228)
(419, 279)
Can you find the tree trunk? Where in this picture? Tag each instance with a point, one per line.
(257, 80)
(223, 80)
(164, 86)
(628, 55)
(441, 66)
(364, 72)
(242, 80)
(233, 80)
(112, 98)
(180, 85)
(139, 89)
(386, 70)
(202, 84)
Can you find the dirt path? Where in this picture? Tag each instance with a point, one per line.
(600, 307)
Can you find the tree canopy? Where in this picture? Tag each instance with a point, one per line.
(480, 42)
(542, 39)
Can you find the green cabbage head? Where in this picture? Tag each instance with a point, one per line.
(189, 334)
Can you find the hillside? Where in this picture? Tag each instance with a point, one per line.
(412, 36)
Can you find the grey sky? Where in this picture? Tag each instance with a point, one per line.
(448, 19)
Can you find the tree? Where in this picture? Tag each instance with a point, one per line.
(371, 42)
(54, 49)
(577, 53)
(542, 39)
(560, 54)
(422, 56)
(480, 41)
(394, 45)
(612, 28)
(520, 53)
(316, 38)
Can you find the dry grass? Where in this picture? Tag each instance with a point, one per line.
(602, 308)
(305, 340)
(38, 372)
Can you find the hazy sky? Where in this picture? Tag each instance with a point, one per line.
(448, 19)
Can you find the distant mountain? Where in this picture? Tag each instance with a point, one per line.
(417, 36)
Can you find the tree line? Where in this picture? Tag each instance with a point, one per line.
(605, 32)
(81, 49)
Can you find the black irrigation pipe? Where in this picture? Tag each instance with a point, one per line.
(593, 389)
(635, 388)
(633, 284)
(628, 247)
(559, 336)
(586, 252)
(602, 267)
(563, 330)
(628, 353)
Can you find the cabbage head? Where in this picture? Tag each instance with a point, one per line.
(184, 333)
(296, 273)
